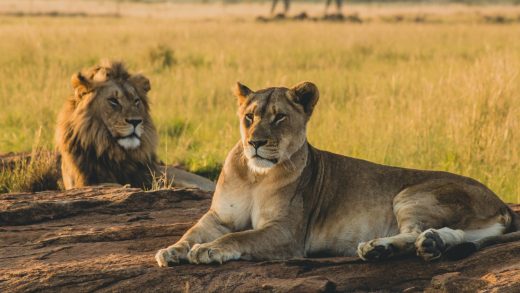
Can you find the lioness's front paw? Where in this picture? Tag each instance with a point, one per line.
(429, 245)
(209, 253)
(172, 255)
(165, 259)
(377, 249)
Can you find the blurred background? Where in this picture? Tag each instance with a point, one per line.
(420, 84)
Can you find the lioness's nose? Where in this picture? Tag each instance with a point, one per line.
(134, 122)
(257, 143)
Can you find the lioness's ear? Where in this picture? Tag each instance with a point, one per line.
(241, 92)
(307, 95)
(80, 84)
(141, 84)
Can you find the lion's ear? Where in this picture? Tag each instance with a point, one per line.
(80, 84)
(307, 95)
(141, 84)
(241, 92)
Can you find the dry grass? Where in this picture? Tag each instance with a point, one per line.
(440, 95)
(35, 171)
(161, 181)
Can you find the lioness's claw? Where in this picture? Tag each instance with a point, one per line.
(165, 259)
(172, 255)
(375, 250)
(208, 253)
(429, 245)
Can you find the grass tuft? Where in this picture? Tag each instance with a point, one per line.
(162, 57)
(160, 181)
(32, 172)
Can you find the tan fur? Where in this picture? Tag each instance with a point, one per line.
(105, 133)
(278, 197)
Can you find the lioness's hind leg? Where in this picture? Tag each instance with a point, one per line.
(416, 209)
(432, 243)
(413, 213)
(448, 213)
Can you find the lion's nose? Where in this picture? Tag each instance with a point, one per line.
(257, 143)
(134, 122)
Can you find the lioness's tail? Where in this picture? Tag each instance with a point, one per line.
(466, 249)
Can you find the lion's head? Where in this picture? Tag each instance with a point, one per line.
(112, 103)
(273, 122)
(107, 120)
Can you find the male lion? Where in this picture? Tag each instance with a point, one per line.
(105, 133)
(278, 197)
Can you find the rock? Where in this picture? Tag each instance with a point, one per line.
(105, 238)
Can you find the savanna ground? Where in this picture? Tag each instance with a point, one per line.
(430, 87)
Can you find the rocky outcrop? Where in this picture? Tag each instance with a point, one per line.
(105, 238)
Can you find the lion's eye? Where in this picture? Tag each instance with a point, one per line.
(250, 117)
(113, 102)
(137, 102)
(279, 118)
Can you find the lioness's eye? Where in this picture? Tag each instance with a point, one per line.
(113, 102)
(250, 117)
(279, 117)
(137, 102)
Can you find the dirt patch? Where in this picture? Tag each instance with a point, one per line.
(105, 238)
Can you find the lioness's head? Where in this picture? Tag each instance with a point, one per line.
(111, 106)
(273, 122)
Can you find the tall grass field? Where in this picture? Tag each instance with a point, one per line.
(441, 95)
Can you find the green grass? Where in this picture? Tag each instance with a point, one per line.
(432, 96)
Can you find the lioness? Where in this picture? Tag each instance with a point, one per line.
(105, 133)
(278, 197)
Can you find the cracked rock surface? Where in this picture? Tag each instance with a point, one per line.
(105, 238)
